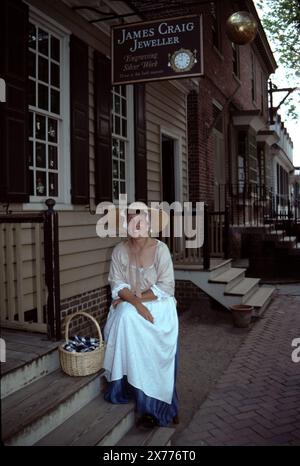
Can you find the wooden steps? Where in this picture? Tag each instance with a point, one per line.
(97, 423)
(33, 411)
(158, 436)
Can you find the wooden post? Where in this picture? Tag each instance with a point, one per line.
(226, 232)
(51, 253)
(206, 245)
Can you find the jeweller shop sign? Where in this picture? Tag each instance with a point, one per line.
(155, 50)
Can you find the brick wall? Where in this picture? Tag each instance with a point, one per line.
(186, 293)
(95, 302)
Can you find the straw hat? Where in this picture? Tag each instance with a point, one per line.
(117, 217)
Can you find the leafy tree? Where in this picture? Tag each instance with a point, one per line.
(281, 20)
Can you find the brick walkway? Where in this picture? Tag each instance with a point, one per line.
(257, 399)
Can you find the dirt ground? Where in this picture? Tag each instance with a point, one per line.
(208, 342)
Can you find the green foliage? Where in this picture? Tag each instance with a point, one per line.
(281, 20)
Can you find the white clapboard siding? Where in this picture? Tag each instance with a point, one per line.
(165, 109)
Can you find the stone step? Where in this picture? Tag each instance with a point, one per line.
(98, 423)
(260, 299)
(219, 268)
(33, 411)
(228, 276)
(244, 289)
(159, 436)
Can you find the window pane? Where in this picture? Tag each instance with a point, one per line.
(41, 184)
(122, 170)
(124, 128)
(40, 127)
(53, 184)
(55, 75)
(30, 155)
(115, 148)
(30, 124)
(52, 157)
(40, 155)
(43, 41)
(124, 108)
(123, 91)
(32, 93)
(43, 97)
(54, 101)
(117, 108)
(32, 36)
(31, 64)
(122, 187)
(43, 69)
(52, 130)
(117, 125)
(116, 189)
(55, 48)
(115, 169)
(122, 150)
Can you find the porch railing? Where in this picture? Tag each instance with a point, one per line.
(251, 204)
(216, 232)
(29, 271)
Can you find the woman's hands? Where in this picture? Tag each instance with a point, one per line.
(117, 301)
(126, 295)
(144, 312)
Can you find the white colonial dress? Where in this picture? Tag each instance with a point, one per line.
(140, 360)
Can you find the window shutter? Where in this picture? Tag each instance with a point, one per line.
(14, 173)
(79, 94)
(103, 144)
(140, 143)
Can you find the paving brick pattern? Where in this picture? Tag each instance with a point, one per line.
(257, 400)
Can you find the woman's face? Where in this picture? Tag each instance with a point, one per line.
(137, 225)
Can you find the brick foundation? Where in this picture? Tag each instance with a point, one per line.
(186, 293)
(95, 302)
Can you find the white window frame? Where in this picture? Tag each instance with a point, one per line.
(129, 148)
(63, 201)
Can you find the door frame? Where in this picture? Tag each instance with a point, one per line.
(177, 162)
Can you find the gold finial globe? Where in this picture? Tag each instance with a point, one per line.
(241, 27)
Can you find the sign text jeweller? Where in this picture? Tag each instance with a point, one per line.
(155, 50)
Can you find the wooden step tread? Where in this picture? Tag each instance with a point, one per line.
(243, 287)
(289, 239)
(276, 232)
(89, 426)
(228, 275)
(27, 405)
(159, 436)
(259, 298)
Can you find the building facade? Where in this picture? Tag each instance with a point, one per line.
(67, 134)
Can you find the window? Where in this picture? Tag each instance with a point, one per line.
(235, 59)
(216, 25)
(122, 141)
(261, 165)
(47, 113)
(253, 78)
(242, 147)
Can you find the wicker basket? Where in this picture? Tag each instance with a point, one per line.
(79, 364)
